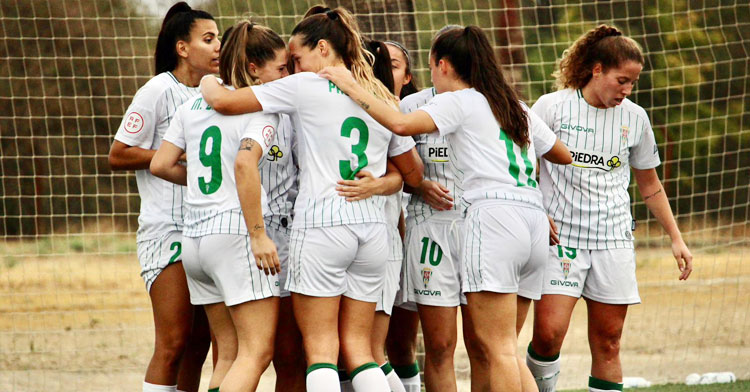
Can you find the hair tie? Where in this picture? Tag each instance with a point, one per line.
(250, 26)
(331, 14)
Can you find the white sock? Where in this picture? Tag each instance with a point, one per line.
(322, 377)
(545, 372)
(393, 381)
(369, 378)
(409, 376)
(158, 388)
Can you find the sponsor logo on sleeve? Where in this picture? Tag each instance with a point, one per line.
(275, 153)
(268, 134)
(598, 160)
(133, 122)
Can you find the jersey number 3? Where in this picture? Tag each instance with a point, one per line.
(345, 166)
(211, 160)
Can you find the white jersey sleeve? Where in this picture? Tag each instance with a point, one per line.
(542, 137)
(446, 111)
(399, 145)
(141, 119)
(645, 153)
(279, 96)
(262, 129)
(176, 133)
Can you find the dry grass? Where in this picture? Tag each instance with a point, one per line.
(81, 322)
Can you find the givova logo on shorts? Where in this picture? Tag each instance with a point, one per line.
(567, 255)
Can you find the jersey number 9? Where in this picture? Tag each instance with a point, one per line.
(211, 160)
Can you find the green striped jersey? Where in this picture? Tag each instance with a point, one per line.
(589, 199)
(211, 142)
(335, 140)
(433, 149)
(144, 124)
(278, 173)
(485, 161)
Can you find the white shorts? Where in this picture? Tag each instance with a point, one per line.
(221, 268)
(280, 237)
(392, 272)
(347, 260)
(606, 276)
(156, 254)
(433, 257)
(506, 249)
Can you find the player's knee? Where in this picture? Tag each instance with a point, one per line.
(170, 347)
(548, 340)
(606, 346)
(440, 349)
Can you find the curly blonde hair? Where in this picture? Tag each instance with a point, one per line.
(603, 45)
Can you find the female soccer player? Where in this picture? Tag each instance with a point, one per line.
(186, 49)
(225, 204)
(489, 132)
(607, 134)
(338, 248)
(401, 341)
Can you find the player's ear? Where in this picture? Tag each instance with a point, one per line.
(323, 47)
(253, 70)
(597, 70)
(181, 47)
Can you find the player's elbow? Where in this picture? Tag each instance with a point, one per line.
(559, 154)
(158, 168)
(400, 128)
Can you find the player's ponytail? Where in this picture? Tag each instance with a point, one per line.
(176, 26)
(338, 27)
(246, 43)
(381, 67)
(472, 57)
(603, 45)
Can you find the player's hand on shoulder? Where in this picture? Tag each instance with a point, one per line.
(683, 257)
(340, 76)
(266, 257)
(436, 195)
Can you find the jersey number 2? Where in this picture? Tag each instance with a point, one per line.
(211, 160)
(345, 166)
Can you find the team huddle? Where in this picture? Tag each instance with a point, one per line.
(311, 207)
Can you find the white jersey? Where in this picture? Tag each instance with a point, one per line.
(589, 199)
(211, 142)
(278, 173)
(335, 140)
(433, 149)
(144, 124)
(485, 161)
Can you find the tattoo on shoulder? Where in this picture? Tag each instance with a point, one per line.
(247, 144)
(652, 195)
(364, 104)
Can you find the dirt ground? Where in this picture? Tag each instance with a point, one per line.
(83, 323)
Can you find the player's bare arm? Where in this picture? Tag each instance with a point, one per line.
(249, 192)
(165, 164)
(656, 200)
(124, 157)
(226, 101)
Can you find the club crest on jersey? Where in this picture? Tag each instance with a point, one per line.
(587, 159)
(565, 264)
(426, 275)
(268, 134)
(275, 153)
(133, 122)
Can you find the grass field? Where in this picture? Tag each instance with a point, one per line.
(737, 386)
(70, 321)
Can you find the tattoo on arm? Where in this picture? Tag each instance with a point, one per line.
(652, 195)
(247, 144)
(364, 104)
(257, 227)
